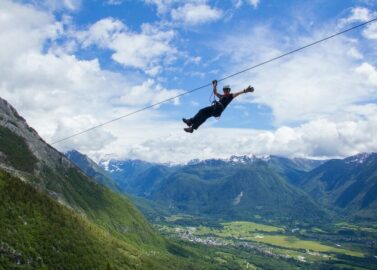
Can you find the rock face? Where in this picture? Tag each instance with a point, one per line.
(45, 154)
(23, 153)
(51, 167)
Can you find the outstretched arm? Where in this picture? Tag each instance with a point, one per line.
(249, 89)
(214, 83)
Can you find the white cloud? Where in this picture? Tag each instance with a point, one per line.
(318, 88)
(19, 36)
(142, 50)
(320, 138)
(163, 6)
(146, 50)
(313, 83)
(149, 92)
(239, 3)
(102, 33)
(114, 2)
(355, 53)
(93, 141)
(369, 72)
(58, 93)
(370, 31)
(254, 3)
(358, 14)
(193, 14)
(71, 5)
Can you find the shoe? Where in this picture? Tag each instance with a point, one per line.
(189, 130)
(187, 122)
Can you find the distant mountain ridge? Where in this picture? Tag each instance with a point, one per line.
(299, 163)
(236, 187)
(116, 165)
(315, 177)
(131, 174)
(236, 191)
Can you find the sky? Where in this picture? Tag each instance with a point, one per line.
(72, 64)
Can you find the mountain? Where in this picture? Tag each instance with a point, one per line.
(53, 216)
(91, 169)
(240, 187)
(125, 172)
(139, 177)
(301, 164)
(236, 191)
(348, 185)
(37, 232)
(294, 169)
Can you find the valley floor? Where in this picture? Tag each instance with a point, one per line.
(343, 246)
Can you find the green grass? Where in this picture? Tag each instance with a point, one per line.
(353, 227)
(292, 242)
(246, 226)
(231, 258)
(237, 229)
(318, 230)
(174, 218)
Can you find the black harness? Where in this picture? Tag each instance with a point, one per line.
(218, 108)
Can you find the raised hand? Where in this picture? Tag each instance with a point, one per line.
(214, 82)
(249, 89)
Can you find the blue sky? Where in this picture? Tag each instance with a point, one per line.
(69, 65)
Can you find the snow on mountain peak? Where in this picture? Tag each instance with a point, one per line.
(234, 159)
(359, 158)
(104, 164)
(241, 159)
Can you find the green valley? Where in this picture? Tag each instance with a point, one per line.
(239, 212)
(294, 245)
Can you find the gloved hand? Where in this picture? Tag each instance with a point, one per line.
(214, 82)
(249, 89)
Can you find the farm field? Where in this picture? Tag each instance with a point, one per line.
(274, 241)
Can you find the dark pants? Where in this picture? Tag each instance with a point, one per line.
(204, 114)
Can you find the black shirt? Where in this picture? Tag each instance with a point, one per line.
(219, 106)
(226, 99)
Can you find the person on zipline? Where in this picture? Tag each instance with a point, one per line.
(215, 109)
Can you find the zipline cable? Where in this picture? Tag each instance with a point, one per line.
(209, 84)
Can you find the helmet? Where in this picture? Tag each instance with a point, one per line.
(226, 88)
